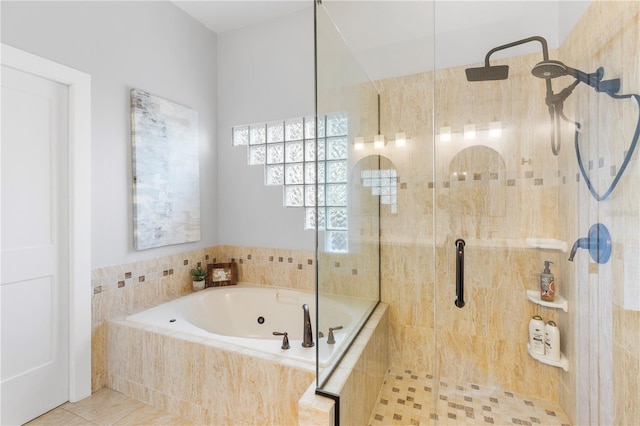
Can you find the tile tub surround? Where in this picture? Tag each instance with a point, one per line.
(357, 379)
(205, 381)
(125, 289)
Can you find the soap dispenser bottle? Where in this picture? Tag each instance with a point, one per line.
(547, 283)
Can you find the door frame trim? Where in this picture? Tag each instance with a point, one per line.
(79, 205)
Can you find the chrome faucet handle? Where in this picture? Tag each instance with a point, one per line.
(285, 339)
(331, 340)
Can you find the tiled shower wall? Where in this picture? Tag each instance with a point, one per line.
(603, 334)
(532, 194)
(495, 207)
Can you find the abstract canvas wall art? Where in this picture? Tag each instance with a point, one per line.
(166, 177)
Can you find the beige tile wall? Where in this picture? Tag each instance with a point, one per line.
(485, 342)
(603, 335)
(535, 194)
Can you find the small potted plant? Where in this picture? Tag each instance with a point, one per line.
(198, 274)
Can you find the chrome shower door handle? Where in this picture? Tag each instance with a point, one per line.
(459, 273)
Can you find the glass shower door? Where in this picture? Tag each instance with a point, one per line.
(487, 170)
(496, 189)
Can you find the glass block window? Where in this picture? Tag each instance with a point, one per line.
(383, 183)
(275, 132)
(337, 242)
(294, 129)
(293, 174)
(241, 135)
(274, 175)
(257, 134)
(256, 155)
(294, 195)
(308, 157)
(294, 152)
(275, 153)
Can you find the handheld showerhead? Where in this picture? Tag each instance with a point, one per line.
(549, 69)
(552, 69)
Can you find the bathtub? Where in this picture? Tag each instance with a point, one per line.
(246, 316)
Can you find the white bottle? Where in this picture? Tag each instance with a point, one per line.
(552, 341)
(536, 335)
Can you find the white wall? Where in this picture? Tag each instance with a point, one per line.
(152, 46)
(265, 72)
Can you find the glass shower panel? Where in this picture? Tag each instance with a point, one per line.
(496, 188)
(348, 247)
(490, 179)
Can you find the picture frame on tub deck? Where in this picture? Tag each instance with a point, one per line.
(221, 274)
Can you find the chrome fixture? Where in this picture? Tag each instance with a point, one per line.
(331, 340)
(285, 339)
(307, 336)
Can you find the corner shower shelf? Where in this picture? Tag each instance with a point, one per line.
(547, 243)
(559, 302)
(563, 363)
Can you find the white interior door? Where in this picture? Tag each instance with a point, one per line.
(34, 289)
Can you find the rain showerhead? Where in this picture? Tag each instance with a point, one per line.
(501, 72)
(549, 69)
(488, 73)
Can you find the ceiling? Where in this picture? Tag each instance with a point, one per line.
(399, 37)
(225, 15)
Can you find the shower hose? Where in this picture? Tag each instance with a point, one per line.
(627, 157)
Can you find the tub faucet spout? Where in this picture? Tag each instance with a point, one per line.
(307, 336)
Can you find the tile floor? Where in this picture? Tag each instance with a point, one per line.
(107, 407)
(407, 398)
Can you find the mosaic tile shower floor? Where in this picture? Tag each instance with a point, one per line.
(406, 398)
